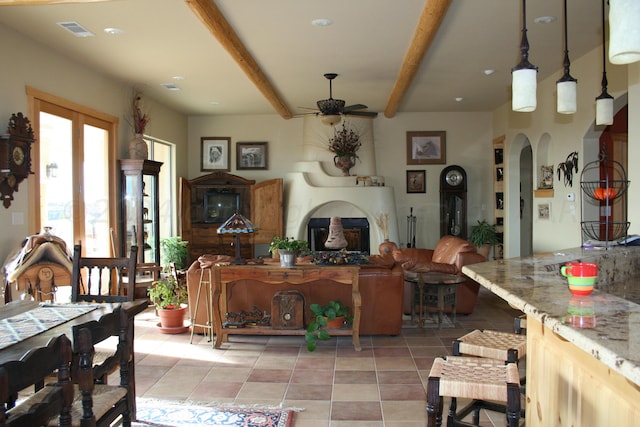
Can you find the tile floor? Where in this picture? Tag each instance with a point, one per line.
(381, 386)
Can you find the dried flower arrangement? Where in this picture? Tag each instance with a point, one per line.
(140, 118)
(382, 221)
(345, 142)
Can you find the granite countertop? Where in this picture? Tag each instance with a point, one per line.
(535, 286)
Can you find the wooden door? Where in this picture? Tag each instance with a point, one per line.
(267, 210)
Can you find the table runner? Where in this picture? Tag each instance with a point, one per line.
(25, 325)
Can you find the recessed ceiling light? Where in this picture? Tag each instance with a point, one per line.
(214, 103)
(114, 31)
(322, 22)
(489, 71)
(178, 78)
(544, 19)
(169, 86)
(459, 99)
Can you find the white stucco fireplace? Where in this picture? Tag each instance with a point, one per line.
(311, 191)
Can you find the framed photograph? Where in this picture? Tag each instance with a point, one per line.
(499, 174)
(498, 154)
(214, 153)
(546, 177)
(544, 211)
(426, 148)
(416, 182)
(499, 201)
(251, 155)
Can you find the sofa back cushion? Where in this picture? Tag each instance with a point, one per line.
(448, 248)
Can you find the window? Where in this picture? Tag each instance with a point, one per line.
(75, 173)
(163, 151)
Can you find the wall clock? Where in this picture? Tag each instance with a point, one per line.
(15, 156)
(453, 202)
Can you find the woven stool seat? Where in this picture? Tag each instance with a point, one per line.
(505, 346)
(483, 380)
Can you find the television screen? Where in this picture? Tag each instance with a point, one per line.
(220, 205)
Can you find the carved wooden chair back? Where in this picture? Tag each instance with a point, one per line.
(103, 279)
(102, 404)
(52, 403)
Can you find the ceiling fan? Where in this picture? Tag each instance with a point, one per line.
(331, 110)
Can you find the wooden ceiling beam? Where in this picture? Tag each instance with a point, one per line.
(432, 15)
(213, 19)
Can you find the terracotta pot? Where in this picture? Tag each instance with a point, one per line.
(335, 323)
(344, 163)
(172, 320)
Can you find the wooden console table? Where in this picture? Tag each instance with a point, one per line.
(274, 276)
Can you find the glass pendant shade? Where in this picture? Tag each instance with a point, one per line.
(624, 31)
(604, 110)
(567, 96)
(524, 86)
(524, 75)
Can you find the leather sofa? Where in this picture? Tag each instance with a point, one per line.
(381, 289)
(449, 256)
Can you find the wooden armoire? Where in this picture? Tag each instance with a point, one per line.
(207, 201)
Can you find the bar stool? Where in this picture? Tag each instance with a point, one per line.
(206, 285)
(485, 381)
(505, 346)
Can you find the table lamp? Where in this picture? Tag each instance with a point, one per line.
(237, 224)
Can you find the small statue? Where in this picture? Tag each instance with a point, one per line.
(336, 239)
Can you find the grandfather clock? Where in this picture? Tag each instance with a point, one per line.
(453, 202)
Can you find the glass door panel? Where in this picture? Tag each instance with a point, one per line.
(96, 197)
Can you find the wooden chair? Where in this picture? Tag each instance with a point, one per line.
(101, 404)
(50, 405)
(102, 279)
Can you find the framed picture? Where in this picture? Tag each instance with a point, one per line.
(251, 155)
(498, 154)
(214, 153)
(426, 148)
(544, 211)
(546, 177)
(416, 182)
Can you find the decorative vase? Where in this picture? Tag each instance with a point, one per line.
(138, 148)
(387, 247)
(344, 163)
(287, 258)
(336, 239)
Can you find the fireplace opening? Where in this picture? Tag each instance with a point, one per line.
(356, 231)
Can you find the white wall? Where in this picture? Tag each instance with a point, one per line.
(469, 146)
(39, 67)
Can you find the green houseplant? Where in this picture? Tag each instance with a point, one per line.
(287, 249)
(332, 315)
(169, 297)
(483, 236)
(173, 249)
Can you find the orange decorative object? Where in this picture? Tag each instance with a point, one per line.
(604, 193)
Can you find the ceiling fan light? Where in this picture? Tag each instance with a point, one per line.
(331, 106)
(624, 33)
(524, 90)
(331, 119)
(567, 96)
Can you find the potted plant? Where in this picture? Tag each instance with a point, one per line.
(287, 249)
(483, 236)
(330, 316)
(173, 249)
(169, 297)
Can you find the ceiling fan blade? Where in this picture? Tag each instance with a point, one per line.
(361, 113)
(354, 107)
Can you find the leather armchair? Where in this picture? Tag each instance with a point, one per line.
(449, 256)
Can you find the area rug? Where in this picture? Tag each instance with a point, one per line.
(153, 414)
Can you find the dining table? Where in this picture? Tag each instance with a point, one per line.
(25, 325)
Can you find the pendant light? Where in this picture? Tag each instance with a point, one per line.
(624, 31)
(524, 75)
(567, 85)
(604, 102)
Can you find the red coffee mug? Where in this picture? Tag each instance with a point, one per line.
(579, 269)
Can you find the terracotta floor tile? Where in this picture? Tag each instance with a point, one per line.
(355, 392)
(312, 376)
(403, 392)
(355, 377)
(269, 376)
(398, 377)
(309, 392)
(356, 411)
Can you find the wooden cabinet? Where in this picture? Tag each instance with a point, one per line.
(207, 201)
(140, 222)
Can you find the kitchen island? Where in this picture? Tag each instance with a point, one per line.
(583, 353)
